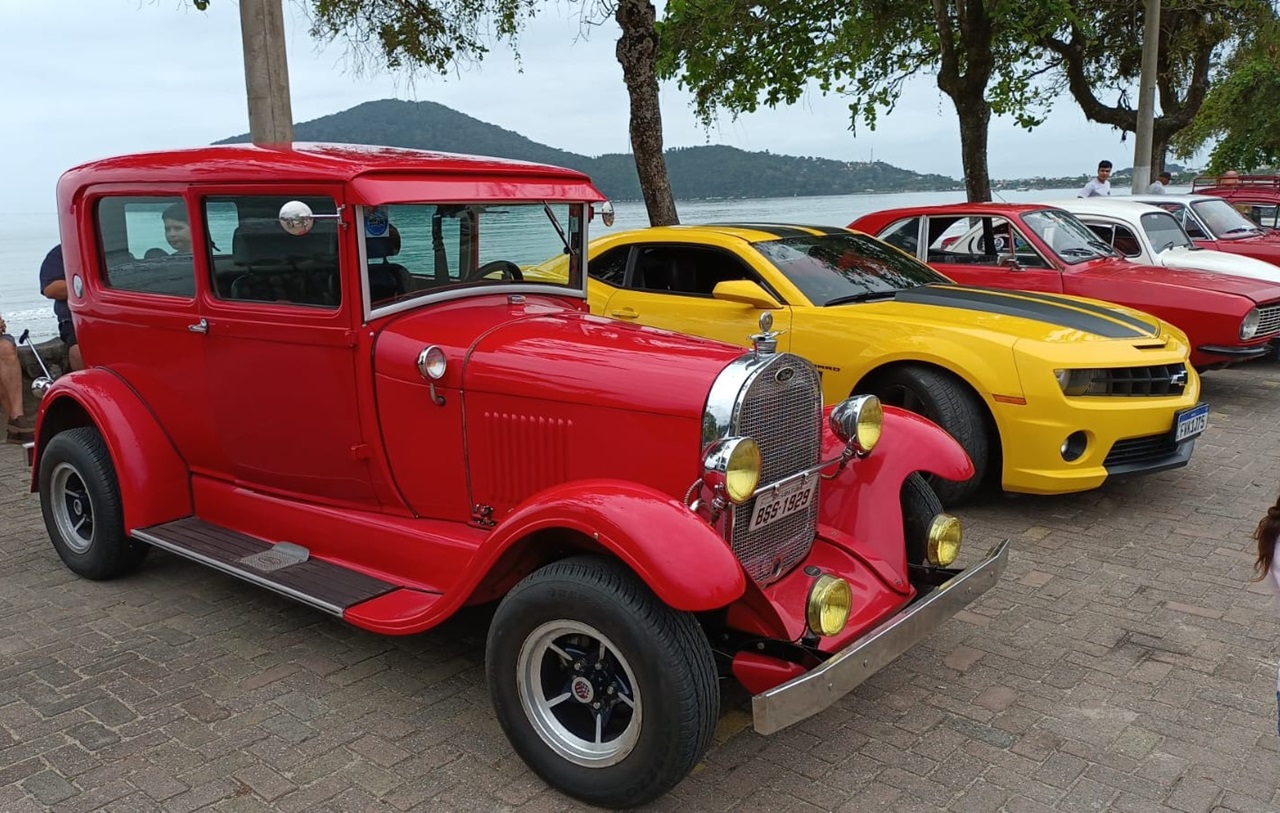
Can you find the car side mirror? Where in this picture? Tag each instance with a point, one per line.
(1010, 262)
(745, 292)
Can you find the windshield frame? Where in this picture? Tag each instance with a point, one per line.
(1155, 242)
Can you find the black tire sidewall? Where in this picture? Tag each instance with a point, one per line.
(919, 506)
(663, 754)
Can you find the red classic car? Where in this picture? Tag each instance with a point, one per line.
(1213, 222)
(320, 369)
(1032, 247)
(1256, 196)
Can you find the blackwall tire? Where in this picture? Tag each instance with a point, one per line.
(919, 506)
(656, 682)
(949, 403)
(80, 501)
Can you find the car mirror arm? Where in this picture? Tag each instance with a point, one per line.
(1010, 262)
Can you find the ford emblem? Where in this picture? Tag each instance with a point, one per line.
(784, 375)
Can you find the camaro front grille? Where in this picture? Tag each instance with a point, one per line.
(1156, 379)
(1268, 320)
(782, 412)
(1137, 451)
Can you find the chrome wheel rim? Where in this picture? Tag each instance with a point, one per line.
(72, 508)
(579, 693)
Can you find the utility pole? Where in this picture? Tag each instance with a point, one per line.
(266, 71)
(1146, 98)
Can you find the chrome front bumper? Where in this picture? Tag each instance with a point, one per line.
(817, 689)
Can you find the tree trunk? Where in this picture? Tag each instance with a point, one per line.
(1159, 147)
(975, 118)
(637, 53)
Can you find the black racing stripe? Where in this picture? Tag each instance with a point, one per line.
(776, 229)
(1147, 328)
(979, 299)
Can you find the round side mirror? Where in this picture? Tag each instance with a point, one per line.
(296, 218)
(606, 213)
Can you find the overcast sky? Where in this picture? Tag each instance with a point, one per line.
(86, 79)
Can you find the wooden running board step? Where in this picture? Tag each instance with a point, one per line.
(284, 567)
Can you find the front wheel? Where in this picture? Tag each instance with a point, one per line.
(604, 691)
(919, 506)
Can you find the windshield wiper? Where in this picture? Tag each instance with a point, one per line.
(1239, 229)
(546, 207)
(865, 296)
(1105, 248)
(1165, 247)
(1075, 251)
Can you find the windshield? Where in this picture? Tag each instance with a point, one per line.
(418, 248)
(1224, 221)
(1070, 239)
(1164, 231)
(845, 267)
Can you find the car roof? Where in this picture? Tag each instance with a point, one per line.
(249, 163)
(1127, 208)
(1156, 200)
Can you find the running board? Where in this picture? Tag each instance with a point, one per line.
(284, 567)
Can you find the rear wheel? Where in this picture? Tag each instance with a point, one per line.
(604, 691)
(919, 506)
(949, 403)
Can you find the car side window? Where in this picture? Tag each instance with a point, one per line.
(904, 235)
(980, 241)
(685, 270)
(1265, 214)
(1126, 242)
(611, 266)
(258, 261)
(145, 245)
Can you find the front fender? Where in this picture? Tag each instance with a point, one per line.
(682, 559)
(154, 480)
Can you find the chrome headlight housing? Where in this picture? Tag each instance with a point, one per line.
(1249, 326)
(731, 468)
(945, 538)
(858, 421)
(829, 606)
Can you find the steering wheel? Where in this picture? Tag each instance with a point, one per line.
(510, 271)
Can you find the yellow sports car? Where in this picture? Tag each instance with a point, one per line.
(1055, 393)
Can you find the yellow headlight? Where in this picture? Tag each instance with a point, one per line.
(945, 536)
(858, 420)
(732, 466)
(830, 602)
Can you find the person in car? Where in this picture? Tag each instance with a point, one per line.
(20, 427)
(177, 229)
(53, 284)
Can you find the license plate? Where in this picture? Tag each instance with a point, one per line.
(775, 504)
(1190, 422)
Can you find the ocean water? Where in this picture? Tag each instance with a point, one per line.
(26, 238)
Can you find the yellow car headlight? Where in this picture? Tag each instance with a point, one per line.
(858, 421)
(945, 537)
(732, 467)
(830, 602)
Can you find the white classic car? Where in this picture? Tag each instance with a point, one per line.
(1150, 235)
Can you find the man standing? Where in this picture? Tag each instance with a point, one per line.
(53, 284)
(1099, 186)
(1158, 188)
(20, 429)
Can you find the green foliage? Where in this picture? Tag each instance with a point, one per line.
(696, 172)
(1242, 110)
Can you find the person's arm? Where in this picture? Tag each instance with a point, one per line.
(56, 289)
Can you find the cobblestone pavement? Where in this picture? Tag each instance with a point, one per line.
(1126, 662)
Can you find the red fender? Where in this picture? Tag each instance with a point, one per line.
(154, 481)
(682, 559)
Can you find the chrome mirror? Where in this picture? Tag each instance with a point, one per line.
(297, 218)
(605, 210)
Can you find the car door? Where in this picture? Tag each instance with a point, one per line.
(280, 349)
(670, 285)
(990, 251)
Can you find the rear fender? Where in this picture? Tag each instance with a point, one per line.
(862, 502)
(680, 557)
(154, 480)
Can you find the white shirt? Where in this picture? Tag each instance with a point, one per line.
(1095, 189)
(1157, 188)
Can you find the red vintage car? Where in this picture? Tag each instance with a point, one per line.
(1033, 247)
(320, 369)
(1255, 196)
(1216, 223)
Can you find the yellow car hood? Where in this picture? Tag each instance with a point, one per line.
(1026, 315)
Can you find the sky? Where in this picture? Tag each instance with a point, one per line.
(87, 79)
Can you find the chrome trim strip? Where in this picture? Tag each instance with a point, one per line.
(29, 449)
(232, 570)
(805, 696)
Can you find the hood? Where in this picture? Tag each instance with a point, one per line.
(1039, 317)
(584, 359)
(1219, 262)
(1118, 270)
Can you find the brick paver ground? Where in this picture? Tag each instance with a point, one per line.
(1126, 662)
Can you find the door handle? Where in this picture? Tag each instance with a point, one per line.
(625, 313)
(199, 327)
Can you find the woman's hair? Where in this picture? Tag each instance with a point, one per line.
(176, 211)
(1266, 534)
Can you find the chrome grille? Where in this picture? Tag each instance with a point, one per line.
(1268, 320)
(782, 413)
(1156, 379)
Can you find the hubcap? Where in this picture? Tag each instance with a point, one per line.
(579, 693)
(72, 508)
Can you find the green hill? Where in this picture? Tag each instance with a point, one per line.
(696, 172)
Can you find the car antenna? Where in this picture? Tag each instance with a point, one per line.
(996, 191)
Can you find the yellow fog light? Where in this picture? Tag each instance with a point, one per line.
(830, 601)
(858, 421)
(732, 467)
(945, 536)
